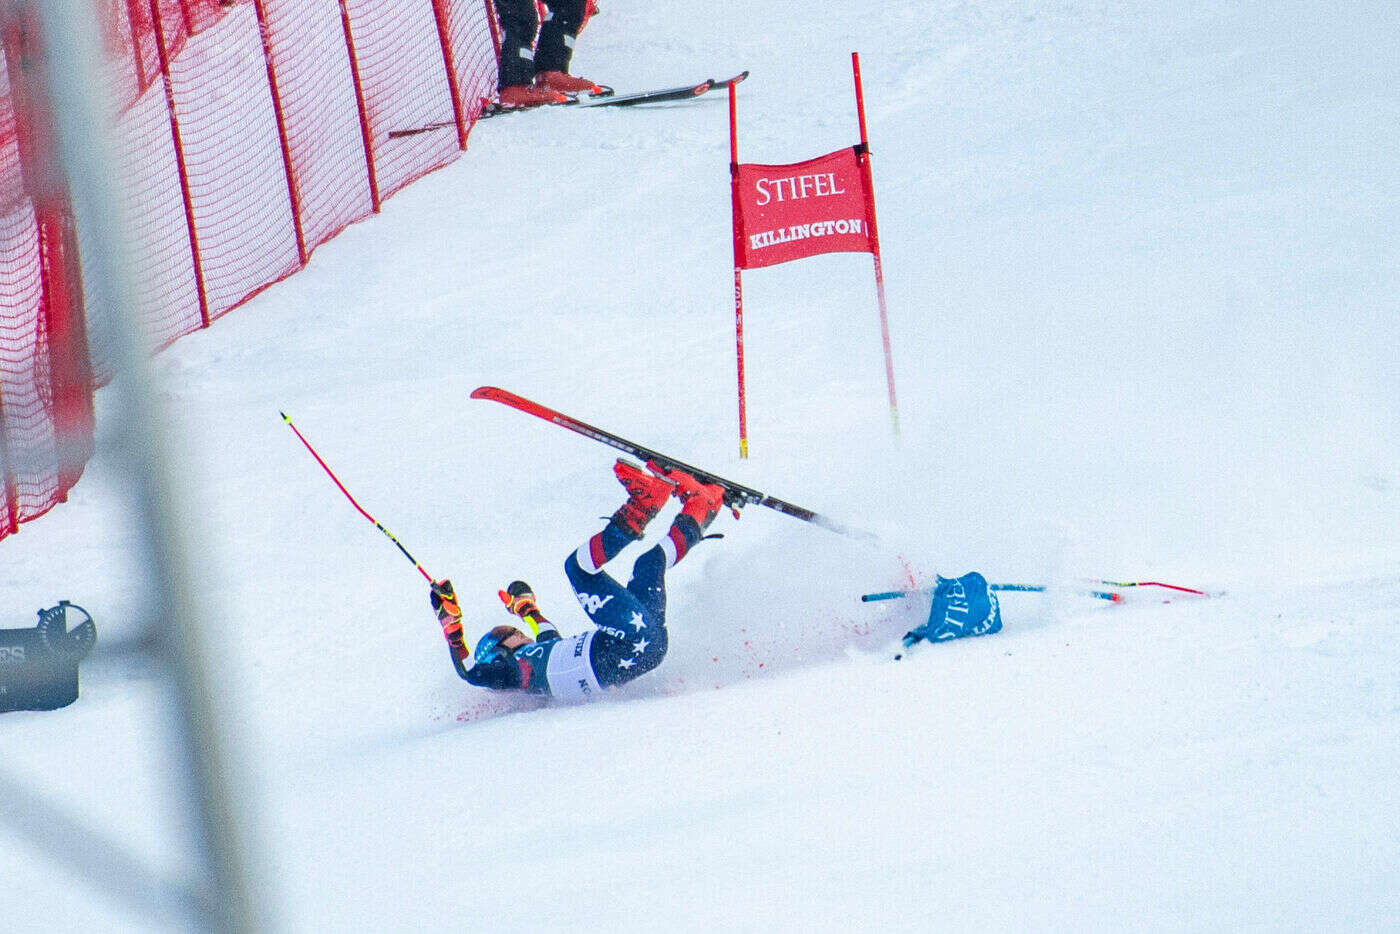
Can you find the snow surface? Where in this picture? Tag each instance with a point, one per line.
(1141, 266)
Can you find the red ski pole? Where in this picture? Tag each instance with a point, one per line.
(336, 479)
(1152, 584)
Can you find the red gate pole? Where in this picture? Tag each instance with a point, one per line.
(292, 194)
(738, 265)
(874, 239)
(450, 61)
(360, 103)
(180, 163)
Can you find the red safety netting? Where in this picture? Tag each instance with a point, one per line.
(394, 39)
(45, 380)
(132, 31)
(27, 435)
(248, 132)
(236, 178)
(321, 116)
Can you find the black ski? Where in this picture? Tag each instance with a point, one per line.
(735, 494)
(682, 93)
(685, 93)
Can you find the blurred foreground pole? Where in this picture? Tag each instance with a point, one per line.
(84, 124)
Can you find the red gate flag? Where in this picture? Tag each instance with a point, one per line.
(787, 212)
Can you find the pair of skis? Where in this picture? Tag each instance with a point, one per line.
(608, 98)
(736, 495)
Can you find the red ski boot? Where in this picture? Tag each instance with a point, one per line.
(646, 494)
(566, 83)
(521, 96)
(700, 501)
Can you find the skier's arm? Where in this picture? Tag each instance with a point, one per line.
(501, 674)
(463, 671)
(449, 614)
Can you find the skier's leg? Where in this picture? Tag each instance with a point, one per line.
(602, 597)
(601, 548)
(648, 583)
(646, 591)
(520, 22)
(557, 34)
(631, 636)
(646, 494)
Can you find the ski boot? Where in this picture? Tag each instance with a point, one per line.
(646, 494)
(566, 83)
(699, 501)
(522, 96)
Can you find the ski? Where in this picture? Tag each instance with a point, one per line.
(609, 99)
(736, 495)
(728, 81)
(683, 93)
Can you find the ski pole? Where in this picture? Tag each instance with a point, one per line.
(1033, 588)
(336, 479)
(1151, 584)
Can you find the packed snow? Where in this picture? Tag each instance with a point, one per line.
(1141, 270)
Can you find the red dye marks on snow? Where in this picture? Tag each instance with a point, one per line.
(854, 628)
(908, 573)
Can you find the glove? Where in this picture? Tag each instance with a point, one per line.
(444, 601)
(449, 615)
(519, 600)
(502, 674)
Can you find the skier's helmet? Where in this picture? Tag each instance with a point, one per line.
(500, 642)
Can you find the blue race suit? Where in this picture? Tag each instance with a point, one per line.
(629, 638)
